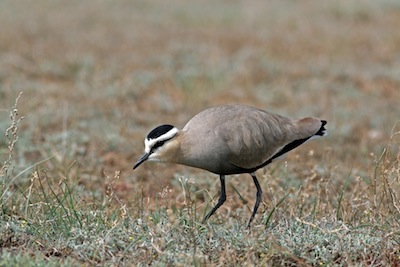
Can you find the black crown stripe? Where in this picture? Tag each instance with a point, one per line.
(158, 131)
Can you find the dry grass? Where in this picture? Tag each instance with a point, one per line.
(97, 76)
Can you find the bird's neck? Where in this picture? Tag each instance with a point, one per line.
(172, 152)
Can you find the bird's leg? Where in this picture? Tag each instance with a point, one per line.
(258, 199)
(221, 199)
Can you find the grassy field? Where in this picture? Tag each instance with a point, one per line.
(96, 76)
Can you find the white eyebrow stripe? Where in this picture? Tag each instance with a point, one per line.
(149, 143)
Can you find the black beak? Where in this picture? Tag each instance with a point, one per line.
(141, 160)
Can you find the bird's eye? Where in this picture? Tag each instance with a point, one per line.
(158, 144)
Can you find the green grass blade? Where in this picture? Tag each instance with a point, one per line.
(341, 196)
(273, 210)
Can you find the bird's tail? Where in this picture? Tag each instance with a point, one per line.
(322, 131)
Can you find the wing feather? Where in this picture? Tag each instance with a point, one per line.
(254, 136)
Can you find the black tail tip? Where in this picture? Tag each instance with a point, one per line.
(322, 131)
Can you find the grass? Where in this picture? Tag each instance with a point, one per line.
(96, 77)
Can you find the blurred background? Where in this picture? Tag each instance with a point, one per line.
(97, 76)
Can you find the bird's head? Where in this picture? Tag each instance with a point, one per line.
(156, 144)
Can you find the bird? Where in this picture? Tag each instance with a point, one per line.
(230, 139)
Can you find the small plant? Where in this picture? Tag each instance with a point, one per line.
(6, 171)
(386, 182)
